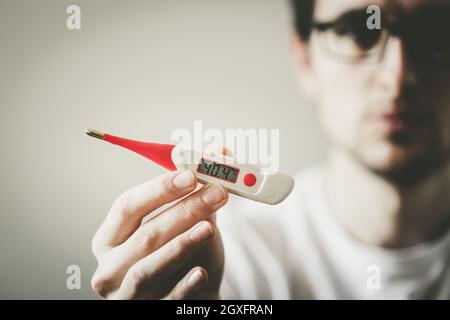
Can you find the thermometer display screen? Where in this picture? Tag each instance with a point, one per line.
(218, 170)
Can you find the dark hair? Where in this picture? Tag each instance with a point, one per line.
(303, 11)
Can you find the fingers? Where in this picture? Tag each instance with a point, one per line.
(152, 235)
(194, 280)
(180, 217)
(225, 151)
(144, 277)
(132, 206)
(172, 222)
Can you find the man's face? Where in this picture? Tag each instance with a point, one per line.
(392, 113)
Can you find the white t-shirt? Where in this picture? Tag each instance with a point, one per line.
(297, 250)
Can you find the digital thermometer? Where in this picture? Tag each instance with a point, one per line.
(246, 180)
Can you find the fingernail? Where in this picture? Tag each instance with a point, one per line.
(183, 180)
(196, 279)
(202, 232)
(213, 195)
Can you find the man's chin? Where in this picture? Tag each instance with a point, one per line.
(400, 164)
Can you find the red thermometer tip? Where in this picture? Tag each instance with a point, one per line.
(157, 152)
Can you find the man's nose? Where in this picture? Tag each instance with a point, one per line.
(396, 71)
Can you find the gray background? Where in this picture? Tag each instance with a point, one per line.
(139, 69)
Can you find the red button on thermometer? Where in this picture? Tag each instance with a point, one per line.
(246, 180)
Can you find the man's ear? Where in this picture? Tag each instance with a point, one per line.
(302, 65)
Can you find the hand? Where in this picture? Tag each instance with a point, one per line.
(177, 254)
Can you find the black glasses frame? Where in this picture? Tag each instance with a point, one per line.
(395, 29)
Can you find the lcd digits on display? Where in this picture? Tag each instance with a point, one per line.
(218, 170)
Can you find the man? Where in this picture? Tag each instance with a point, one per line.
(372, 222)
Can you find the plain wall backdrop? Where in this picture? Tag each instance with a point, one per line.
(140, 69)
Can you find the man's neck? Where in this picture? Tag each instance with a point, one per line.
(378, 212)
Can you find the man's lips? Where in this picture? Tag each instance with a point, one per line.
(394, 121)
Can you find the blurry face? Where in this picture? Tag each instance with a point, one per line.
(392, 114)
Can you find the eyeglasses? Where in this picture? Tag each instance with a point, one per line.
(425, 34)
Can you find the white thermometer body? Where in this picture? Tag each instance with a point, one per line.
(246, 180)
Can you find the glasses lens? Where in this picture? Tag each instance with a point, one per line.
(427, 37)
(352, 41)
(350, 37)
